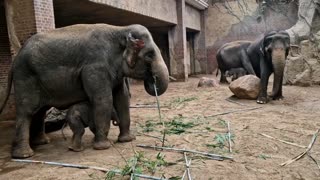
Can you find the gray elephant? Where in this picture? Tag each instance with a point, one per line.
(266, 55)
(79, 116)
(82, 63)
(233, 55)
(236, 73)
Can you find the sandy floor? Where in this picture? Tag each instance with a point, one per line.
(295, 119)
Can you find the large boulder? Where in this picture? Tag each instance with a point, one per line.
(246, 87)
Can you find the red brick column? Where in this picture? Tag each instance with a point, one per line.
(178, 45)
(20, 19)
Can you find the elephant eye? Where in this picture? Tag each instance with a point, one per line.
(149, 56)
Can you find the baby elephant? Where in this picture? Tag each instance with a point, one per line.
(79, 117)
(236, 73)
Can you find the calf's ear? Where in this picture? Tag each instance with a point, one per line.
(133, 47)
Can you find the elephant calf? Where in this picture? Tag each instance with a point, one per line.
(79, 116)
(236, 73)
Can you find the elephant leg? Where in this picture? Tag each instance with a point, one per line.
(223, 78)
(121, 105)
(78, 129)
(277, 89)
(37, 130)
(265, 74)
(246, 63)
(27, 102)
(98, 89)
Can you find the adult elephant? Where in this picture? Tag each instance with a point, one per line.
(233, 55)
(268, 55)
(82, 63)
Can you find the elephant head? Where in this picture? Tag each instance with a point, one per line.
(275, 47)
(143, 60)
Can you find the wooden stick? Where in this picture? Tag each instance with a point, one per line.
(147, 106)
(314, 160)
(283, 141)
(232, 101)
(159, 111)
(313, 140)
(82, 167)
(229, 136)
(159, 138)
(229, 112)
(209, 155)
(187, 165)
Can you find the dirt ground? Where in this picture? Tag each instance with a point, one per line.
(294, 119)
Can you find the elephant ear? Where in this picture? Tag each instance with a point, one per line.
(132, 50)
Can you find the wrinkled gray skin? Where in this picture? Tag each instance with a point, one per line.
(82, 63)
(233, 55)
(262, 57)
(79, 116)
(236, 73)
(268, 55)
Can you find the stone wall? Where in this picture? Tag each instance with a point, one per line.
(222, 27)
(303, 64)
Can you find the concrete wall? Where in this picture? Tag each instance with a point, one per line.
(163, 10)
(221, 27)
(192, 18)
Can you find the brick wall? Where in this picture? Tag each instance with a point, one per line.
(44, 15)
(5, 63)
(5, 55)
(26, 18)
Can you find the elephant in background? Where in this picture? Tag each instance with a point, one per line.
(82, 63)
(268, 55)
(262, 57)
(233, 55)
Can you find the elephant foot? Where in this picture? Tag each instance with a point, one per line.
(126, 138)
(76, 148)
(224, 82)
(277, 97)
(100, 145)
(21, 153)
(40, 140)
(262, 100)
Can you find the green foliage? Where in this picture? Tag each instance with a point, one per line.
(221, 140)
(138, 163)
(110, 175)
(180, 100)
(176, 125)
(263, 156)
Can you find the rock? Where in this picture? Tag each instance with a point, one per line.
(208, 82)
(303, 79)
(55, 120)
(246, 87)
(294, 66)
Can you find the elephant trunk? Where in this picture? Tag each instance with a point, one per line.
(157, 74)
(278, 62)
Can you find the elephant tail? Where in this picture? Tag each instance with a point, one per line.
(8, 90)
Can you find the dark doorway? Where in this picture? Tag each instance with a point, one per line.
(190, 59)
